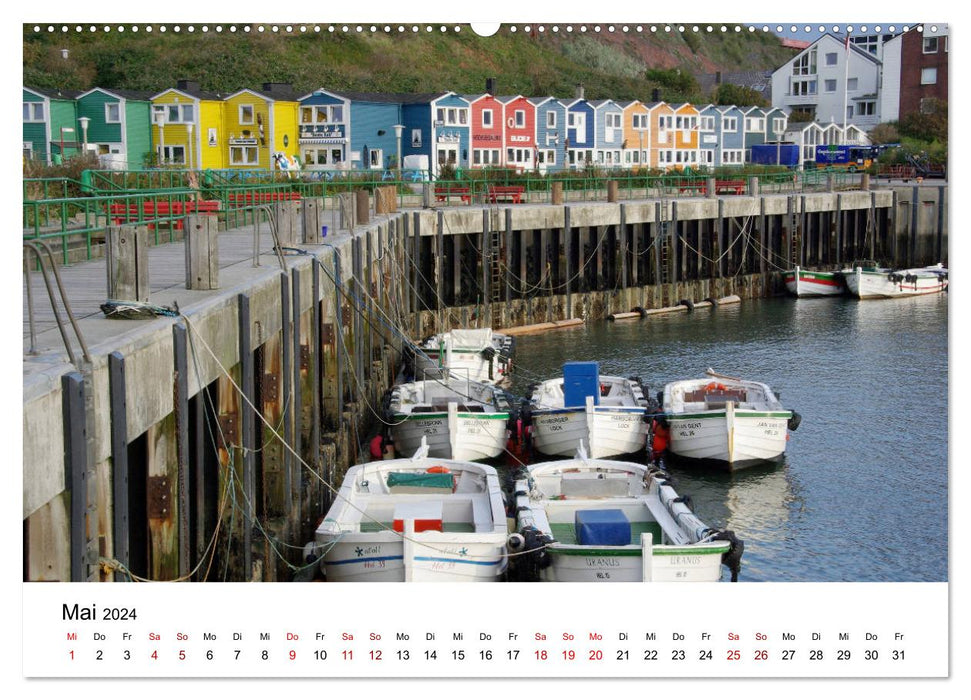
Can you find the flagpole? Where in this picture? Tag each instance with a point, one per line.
(846, 83)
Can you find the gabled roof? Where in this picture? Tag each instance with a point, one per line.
(597, 104)
(724, 109)
(54, 94)
(137, 95)
(542, 100)
(401, 98)
(749, 110)
(506, 99)
(570, 101)
(191, 94)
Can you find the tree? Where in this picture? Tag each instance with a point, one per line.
(884, 133)
(929, 124)
(675, 83)
(728, 94)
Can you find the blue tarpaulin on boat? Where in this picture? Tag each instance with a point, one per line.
(602, 527)
(580, 380)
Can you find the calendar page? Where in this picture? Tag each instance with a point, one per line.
(644, 324)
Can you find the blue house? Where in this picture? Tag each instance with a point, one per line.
(580, 132)
(437, 127)
(731, 136)
(776, 123)
(608, 133)
(754, 129)
(373, 139)
(550, 133)
(709, 126)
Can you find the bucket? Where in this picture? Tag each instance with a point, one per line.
(323, 232)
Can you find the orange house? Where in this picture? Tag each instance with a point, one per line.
(686, 124)
(661, 125)
(637, 134)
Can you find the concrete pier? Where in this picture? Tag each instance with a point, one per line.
(206, 445)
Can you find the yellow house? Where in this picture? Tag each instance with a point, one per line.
(187, 125)
(260, 127)
(637, 134)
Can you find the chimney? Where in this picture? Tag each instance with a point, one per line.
(579, 91)
(187, 85)
(491, 86)
(655, 95)
(278, 89)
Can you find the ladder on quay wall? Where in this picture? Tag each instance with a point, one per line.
(664, 239)
(494, 260)
(795, 236)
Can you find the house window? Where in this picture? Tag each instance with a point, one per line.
(831, 59)
(754, 124)
(866, 109)
(113, 113)
(33, 111)
(707, 123)
(173, 155)
(867, 43)
(337, 113)
(520, 116)
(805, 64)
(175, 114)
(829, 86)
(732, 157)
(551, 120)
(613, 121)
(803, 87)
(246, 115)
(546, 157)
(852, 84)
(729, 123)
(376, 158)
(487, 117)
(930, 44)
(453, 116)
(244, 155)
(463, 116)
(708, 157)
(778, 125)
(640, 121)
(928, 76)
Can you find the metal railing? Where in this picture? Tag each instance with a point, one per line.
(48, 268)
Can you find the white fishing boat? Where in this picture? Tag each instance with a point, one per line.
(726, 421)
(809, 283)
(885, 283)
(477, 354)
(603, 412)
(595, 520)
(459, 419)
(417, 519)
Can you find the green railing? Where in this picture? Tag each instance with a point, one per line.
(51, 188)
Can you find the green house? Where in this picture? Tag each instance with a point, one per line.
(50, 125)
(116, 126)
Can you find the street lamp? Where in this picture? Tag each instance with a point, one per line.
(84, 121)
(398, 131)
(68, 129)
(160, 122)
(188, 128)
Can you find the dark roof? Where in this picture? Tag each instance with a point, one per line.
(55, 94)
(192, 92)
(390, 97)
(758, 80)
(141, 95)
(280, 91)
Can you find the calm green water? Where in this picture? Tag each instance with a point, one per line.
(862, 495)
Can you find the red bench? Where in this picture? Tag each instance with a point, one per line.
(443, 194)
(134, 213)
(721, 187)
(507, 193)
(898, 172)
(245, 199)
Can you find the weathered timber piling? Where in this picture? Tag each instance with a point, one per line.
(207, 446)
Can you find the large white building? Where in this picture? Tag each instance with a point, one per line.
(819, 81)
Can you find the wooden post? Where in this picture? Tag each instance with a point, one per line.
(710, 188)
(753, 187)
(346, 205)
(201, 252)
(127, 262)
(557, 193)
(286, 222)
(313, 221)
(613, 191)
(363, 206)
(567, 247)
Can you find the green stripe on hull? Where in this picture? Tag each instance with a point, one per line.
(739, 413)
(631, 551)
(429, 416)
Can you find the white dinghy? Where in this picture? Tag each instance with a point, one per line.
(459, 419)
(885, 283)
(596, 520)
(476, 354)
(606, 413)
(417, 519)
(726, 421)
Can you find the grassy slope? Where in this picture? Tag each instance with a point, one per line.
(609, 65)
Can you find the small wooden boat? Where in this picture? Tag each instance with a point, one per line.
(606, 413)
(417, 519)
(885, 283)
(459, 419)
(807, 283)
(726, 421)
(596, 520)
(476, 354)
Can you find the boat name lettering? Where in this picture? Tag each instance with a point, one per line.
(368, 551)
(555, 419)
(603, 563)
(427, 423)
(770, 424)
(689, 426)
(685, 561)
(373, 564)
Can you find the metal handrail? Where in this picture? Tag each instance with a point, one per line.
(35, 247)
(271, 220)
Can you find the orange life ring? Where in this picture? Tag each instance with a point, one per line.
(438, 470)
(714, 386)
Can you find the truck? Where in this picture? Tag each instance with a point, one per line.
(776, 153)
(845, 157)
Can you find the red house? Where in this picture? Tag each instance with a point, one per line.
(519, 119)
(923, 69)
(486, 130)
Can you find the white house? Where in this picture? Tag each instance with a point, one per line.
(817, 80)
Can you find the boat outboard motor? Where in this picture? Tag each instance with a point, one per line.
(794, 421)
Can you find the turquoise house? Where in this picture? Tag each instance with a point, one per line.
(116, 125)
(50, 125)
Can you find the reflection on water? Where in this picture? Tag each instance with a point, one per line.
(862, 494)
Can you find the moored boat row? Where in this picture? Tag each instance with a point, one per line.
(866, 280)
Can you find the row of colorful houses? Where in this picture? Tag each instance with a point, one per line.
(336, 130)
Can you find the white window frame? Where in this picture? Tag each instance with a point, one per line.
(375, 162)
(235, 151)
(730, 124)
(31, 108)
(826, 85)
(778, 125)
(252, 112)
(805, 64)
(641, 122)
(487, 122)
(612, 120)
(108, 106)
(519, 118)
(168, 155)
(871, 110)
(927, 42)
(551, 119)
(928, 72)
(755, 124)
(732, 156)
(805, 86)
(707, 123)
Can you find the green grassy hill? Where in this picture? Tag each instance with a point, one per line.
(608, 64)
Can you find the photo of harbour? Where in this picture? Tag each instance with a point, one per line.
(553, 305)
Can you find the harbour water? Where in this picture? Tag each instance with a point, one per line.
(862, 494)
